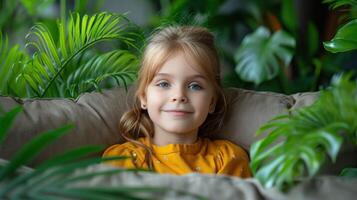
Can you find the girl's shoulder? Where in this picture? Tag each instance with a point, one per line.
(222, 143)
(225, 147)
(129, 155)
(231, 159)
(123, 148)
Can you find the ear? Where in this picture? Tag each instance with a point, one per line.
(212, 105)
(143, 102)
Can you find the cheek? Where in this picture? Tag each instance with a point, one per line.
(153, 104)
(154, 98)
(202, 101)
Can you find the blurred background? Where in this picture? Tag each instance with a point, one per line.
(271, 45)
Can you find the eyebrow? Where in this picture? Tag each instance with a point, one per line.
(190, 77)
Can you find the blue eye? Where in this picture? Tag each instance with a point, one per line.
(195, 86)
(163, 84)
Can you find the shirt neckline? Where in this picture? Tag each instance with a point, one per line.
(174, 148)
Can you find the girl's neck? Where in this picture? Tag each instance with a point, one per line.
(162, 139)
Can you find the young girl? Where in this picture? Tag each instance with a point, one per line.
(179, 101)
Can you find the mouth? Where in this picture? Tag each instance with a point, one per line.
(178, 112)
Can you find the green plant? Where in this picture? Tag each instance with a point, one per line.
(349, 173)
(338, 3)
(58, 177)
(69, 65)
(10, 67)
(261, 55)
(18, 14)
(298, 143)
(310, 66)
(52, 61)
(345, 39)
(6, 119)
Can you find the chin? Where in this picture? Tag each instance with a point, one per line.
(179, 129)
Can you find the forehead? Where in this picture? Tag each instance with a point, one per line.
(180, 64)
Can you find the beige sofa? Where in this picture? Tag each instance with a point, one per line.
(96, 115)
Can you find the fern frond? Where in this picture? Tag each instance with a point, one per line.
(46, 74)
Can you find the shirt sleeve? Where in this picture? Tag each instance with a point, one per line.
(234, 161)
(121, 150)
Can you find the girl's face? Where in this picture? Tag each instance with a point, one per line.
(179, 98)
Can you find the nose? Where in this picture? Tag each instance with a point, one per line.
(179, 96)
(181, 99)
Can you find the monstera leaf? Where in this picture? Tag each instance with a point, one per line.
(261, 55)
(298, 144)
(345, 38)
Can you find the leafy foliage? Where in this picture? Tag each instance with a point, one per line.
(46, 73)
(289, 15)
(31, 149)
(202, 13)
(68, 65)
(261, 55)
(6, 119)
(349, 173)
(338, 3)
(344, 40)
(120, 65)
(10, 17)
(298, 143)
(58, 177)
(34, 6)
(10, 67)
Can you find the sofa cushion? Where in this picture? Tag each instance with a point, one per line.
(248, 110)
(209, 186)
(96, 117)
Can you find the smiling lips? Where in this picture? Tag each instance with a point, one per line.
(178, 112)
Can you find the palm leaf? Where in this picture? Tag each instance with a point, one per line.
(119, 66)
(46, 74)
(70, 156)
(10, 67)
(64, 181)
(23, 156)
(299, 145)
(57, 178)
(6, 120)
(260, 55)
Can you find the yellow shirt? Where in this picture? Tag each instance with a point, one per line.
(204, 156)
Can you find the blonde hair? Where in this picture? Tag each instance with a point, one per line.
(195, 42)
